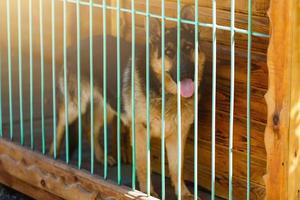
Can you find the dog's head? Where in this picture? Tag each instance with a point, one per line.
(187, 54)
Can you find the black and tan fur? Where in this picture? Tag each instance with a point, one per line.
(187, 104)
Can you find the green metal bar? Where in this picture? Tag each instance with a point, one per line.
(92, 87)
(104, 89)
(232, 77)
(133, 94)
(42, 77)
(9, 69)
(196, 103)
(249, 99)
(178, 102)
(1, 128)
(31, 77)
(213, 120)
(163, 142)
(20, 74)
(79, 86)
(148, 97)
(201, 24)
(66, 79)
(119, 95)
(53, 78)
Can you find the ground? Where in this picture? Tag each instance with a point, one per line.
(10, 194)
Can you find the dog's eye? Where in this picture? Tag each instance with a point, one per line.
(169, 52)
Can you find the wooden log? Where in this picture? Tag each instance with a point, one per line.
(259, 6)
(204, 152)
(239, 136)
(294, 127)
(284, 16)
(204, 170)
(56, 178)
(27, 189)
(260, 24)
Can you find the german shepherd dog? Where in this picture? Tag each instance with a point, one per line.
(187, 84)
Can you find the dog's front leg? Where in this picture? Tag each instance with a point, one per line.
(141, 158)
(172, 152)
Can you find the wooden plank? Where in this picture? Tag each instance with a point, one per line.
(294, 136)
(258, 106)
(278, 99)
(239, 136)
(260, 7)
(56, 178)
(204, 169)
(260, 24)
(204, 152)
(27, 189)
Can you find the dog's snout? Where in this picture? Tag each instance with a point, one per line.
(186, 70)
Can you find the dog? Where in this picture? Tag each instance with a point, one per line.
(187, 84)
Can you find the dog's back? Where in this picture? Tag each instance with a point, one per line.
(111, 66)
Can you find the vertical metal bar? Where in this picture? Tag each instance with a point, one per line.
(119, 95)
(148, 97)
(20, 74)
(53, 78)
(1, 128)
(31, 76)
(249, 98)
(42, 76)
(79, 85)
(104, 89)
(196, 103)
(178, 101)
(1, 133)
(163, 142)
(213, 120)
(92, 87)
(66, 79)
(232, 77)
(133, 94)
(9, 69)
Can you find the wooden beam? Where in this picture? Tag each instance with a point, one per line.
(53, 177)
(294, 135)
(29, 190)
(283, 95)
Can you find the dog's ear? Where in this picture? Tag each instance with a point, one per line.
(188, 13)
(155, 29)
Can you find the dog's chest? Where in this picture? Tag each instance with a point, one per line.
(171, 117)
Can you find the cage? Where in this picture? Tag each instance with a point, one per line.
(243, 144)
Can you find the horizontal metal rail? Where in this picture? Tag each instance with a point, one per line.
(174, 19)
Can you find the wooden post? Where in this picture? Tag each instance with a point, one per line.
(282, 130)
(294, 135)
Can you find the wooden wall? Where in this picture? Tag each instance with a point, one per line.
(47, 21)
(259, 86)
(259, 82)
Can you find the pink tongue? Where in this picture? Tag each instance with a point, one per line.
(187, 88)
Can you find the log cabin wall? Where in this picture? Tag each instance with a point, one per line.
(259, 85)
(259, 82)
